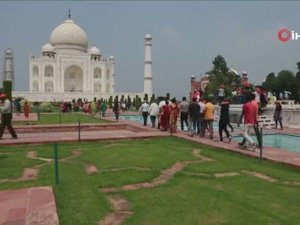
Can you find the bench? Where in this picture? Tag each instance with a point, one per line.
(266, 122)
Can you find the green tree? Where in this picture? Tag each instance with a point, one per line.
(7, 89)
(271, 83)
(287, 81)
(129, 103)
(146, 97)
(221, 75)
(168, 96)
(152, 98)
(220, 65)
(297, 78)
(110, 101)
(138, 103)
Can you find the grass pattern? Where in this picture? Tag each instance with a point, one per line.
(184, 199)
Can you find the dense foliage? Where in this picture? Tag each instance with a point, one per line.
(285, 80)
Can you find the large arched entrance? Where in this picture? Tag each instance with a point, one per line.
(73, 79)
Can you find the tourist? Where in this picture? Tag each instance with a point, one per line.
(221, 93)
(224, 120)
(174, 112)
(161, 103)
(194, 115)
(229, 124)
(116, 109)
(208, 119)
(165, 117)
(103, 108)
(26, 109)
(153, 112)
(6, 116)
(249, 112)
(255, 113)
(94, 106)
(144, 110)
(184, 113)
(200, 123)
(278, 115)
(18, 106)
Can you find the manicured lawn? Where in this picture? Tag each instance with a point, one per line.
(65, 118)
(194, 196)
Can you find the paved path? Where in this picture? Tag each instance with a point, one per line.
(29, 206)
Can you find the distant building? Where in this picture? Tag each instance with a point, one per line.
(198, 86)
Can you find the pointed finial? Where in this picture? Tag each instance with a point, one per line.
(69, 13)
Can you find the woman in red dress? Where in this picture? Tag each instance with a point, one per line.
(174, 112)
(165, 117)
(26, 109)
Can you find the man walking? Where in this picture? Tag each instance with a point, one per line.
(153, 112)
(184, 113)
(194, 114)
(250, 119)
(6, 116)
(144, 111)
(208, 118)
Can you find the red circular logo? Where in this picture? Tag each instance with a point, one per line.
(284, 35)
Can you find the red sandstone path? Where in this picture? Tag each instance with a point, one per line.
(30, 206)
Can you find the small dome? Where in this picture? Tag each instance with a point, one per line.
(245, 72)
(9, 51)
(69, 35)
(111, 57)
(47, 48)
(148, 36)
(94, 51)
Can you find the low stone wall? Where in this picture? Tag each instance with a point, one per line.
(290, 114)
(74, 127)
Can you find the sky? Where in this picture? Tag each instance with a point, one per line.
(187, 36)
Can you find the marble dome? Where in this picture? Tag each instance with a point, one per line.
(47, 48)
(94, 51)
(69, 35)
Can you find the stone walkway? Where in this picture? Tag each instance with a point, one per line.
(29, 206)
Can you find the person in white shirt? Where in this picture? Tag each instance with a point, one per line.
(153, 112)
(6, 117)
(144, 110)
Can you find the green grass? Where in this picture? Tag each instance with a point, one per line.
(63, 118)
(192, 197)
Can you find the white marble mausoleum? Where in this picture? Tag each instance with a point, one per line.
(67, 68)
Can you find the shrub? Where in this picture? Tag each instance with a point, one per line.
(46, 107)
(22, 103)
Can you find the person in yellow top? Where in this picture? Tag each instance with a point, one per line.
(208, 119)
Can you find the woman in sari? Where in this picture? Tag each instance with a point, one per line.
(174, 112)
(165, 117)
(26, 109)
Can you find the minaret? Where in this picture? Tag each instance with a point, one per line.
(148, 66)
(112, 60)
(8, 66)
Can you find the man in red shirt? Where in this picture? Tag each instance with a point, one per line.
(249, 112)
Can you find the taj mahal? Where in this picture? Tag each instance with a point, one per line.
(68, 69)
